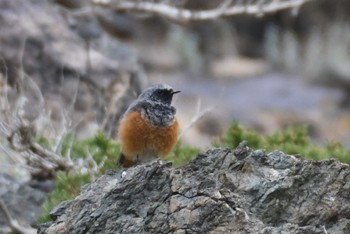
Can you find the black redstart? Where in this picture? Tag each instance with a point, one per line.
(149, 128)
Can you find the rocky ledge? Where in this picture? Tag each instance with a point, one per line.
(221, 191)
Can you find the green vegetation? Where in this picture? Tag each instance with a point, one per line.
(105, 151)
(67, 186)
(182, 154)
(102, 150)
(293, 140)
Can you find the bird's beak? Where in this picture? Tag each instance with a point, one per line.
(175, 92)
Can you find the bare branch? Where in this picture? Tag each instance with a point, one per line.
(22, 139)
(199, 114)
(181, 15)
(61, 163)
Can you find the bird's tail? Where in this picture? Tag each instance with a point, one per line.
(123, 161)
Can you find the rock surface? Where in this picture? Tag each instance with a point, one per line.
(221, 191)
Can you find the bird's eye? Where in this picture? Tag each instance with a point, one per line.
(159, 92)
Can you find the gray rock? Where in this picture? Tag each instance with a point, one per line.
(221, 191)
(52, 43)
(65, 54)
(23, 199)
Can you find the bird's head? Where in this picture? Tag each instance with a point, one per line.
(160, 93)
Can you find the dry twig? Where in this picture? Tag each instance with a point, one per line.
(22, 139)
(199, 114)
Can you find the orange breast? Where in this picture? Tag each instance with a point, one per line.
(138, 135)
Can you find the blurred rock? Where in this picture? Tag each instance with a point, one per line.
(23, 199)
(71, 4)
(119, 25)
(67, 54)
(51, 38)
(87, 27)
(239, 67)
(211, 125)
(221, 191)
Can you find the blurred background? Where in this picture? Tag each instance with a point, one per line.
(69, 69)
(80, 64)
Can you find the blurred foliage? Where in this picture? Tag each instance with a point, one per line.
(95, 155)
(43, 142)
(100, 148)
(182, 154)
(67, 186)
(293, 140)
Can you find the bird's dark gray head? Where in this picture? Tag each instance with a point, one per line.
(160, 93)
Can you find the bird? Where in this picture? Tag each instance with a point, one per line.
(149, 128)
